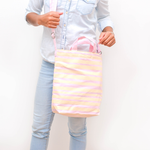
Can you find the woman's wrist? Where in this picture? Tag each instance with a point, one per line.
(108, 29)
(110, 32)
(39, 20)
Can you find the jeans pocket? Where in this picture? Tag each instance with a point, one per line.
(85, 7)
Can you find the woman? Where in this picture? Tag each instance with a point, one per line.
(73, 18)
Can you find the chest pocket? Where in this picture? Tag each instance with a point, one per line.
(85, 7)
(47, 3)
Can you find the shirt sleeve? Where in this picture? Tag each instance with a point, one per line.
(33, 6)
(103, 15)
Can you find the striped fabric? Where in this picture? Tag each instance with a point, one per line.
(77, 83)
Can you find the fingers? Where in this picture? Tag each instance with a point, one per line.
(104, 38)
(107, 40)
(60, 13)
(110, 43)
(52, 26)
(56, 14)
(54, 23)
(102, 35)
(53, 19)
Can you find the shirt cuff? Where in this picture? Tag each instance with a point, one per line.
(104, 22)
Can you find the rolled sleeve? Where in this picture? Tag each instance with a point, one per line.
(33, 6)
(103, 15)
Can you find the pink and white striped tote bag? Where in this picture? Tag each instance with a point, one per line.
(77, 80)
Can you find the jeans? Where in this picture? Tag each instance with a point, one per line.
(43, 115)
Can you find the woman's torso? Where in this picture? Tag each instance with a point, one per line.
(79, 19)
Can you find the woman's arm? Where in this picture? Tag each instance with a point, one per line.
(50, 20)
(33, 15)
(33, 18)
(105, 24)
(33, 9)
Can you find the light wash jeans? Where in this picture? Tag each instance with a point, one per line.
(43, 115)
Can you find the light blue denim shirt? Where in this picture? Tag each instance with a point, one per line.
(80, 18)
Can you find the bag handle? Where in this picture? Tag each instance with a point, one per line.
(84, 40)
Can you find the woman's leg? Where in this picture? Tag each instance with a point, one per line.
(43, 115)
(78, 132)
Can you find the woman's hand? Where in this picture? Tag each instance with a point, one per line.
(50, 19)
(107, 38)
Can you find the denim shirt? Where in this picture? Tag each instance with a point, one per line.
(80, 18)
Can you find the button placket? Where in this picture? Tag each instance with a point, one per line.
(64, 28)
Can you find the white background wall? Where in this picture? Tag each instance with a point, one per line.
(124, 121)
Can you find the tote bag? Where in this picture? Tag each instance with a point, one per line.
(77, 79)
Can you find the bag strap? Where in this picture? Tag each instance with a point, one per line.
(53, 6)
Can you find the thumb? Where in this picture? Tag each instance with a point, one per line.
(60, 13)
(100, 37)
